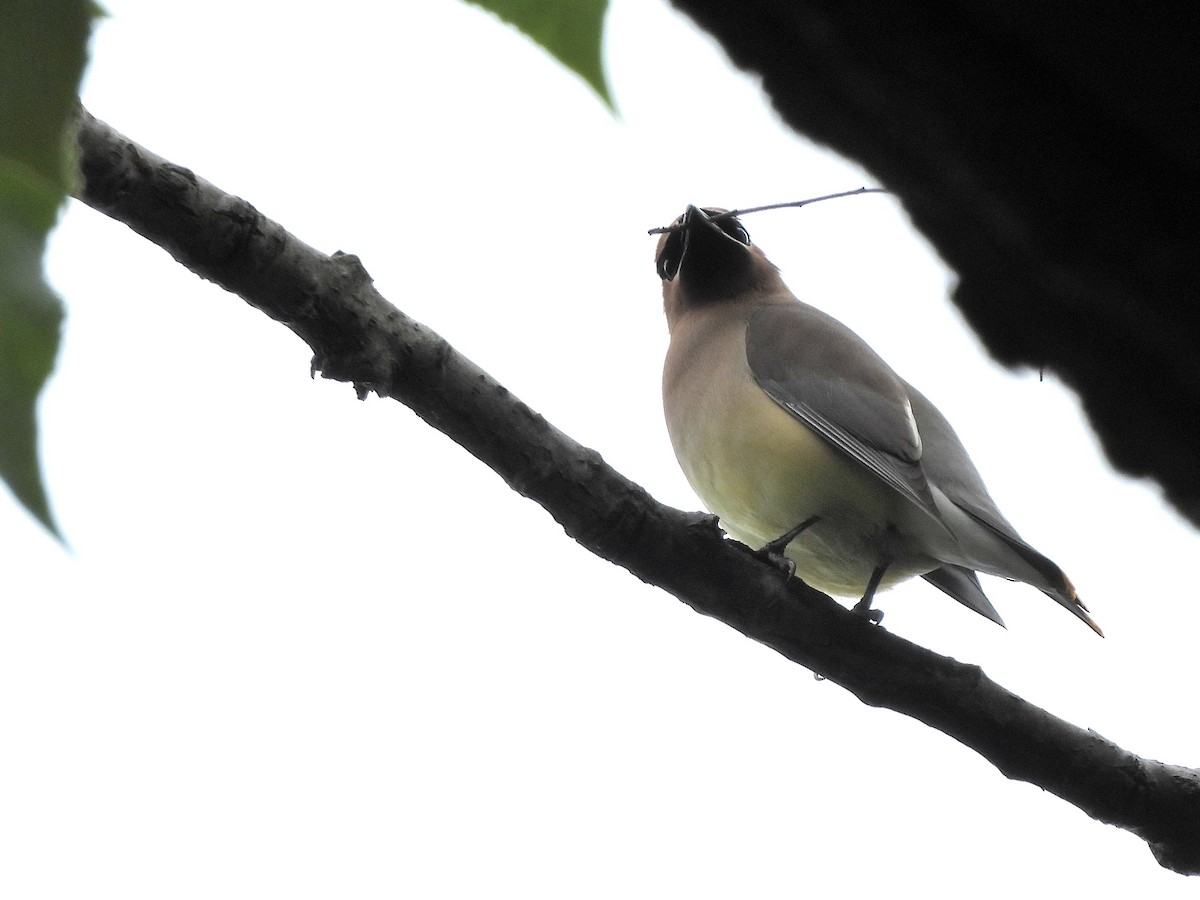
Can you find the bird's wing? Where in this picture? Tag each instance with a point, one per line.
(947, 464)
(832, 381)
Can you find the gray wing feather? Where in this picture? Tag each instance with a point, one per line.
(949, 467)
(831, 380)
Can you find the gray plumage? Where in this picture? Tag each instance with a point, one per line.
(779, 414)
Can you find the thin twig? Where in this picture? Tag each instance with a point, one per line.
(791, 203)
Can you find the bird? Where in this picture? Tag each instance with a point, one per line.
(809, 448)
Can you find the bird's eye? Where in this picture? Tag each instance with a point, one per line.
(671, 257)
(733, 227)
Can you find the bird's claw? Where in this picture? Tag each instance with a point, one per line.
(769, 555)
(773, 552)
(863, 608)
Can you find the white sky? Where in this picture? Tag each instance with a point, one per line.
(307, 647)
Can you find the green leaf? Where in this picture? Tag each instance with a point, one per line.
(570, 29)
(43, 49)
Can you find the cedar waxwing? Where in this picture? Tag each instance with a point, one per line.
(805, 443)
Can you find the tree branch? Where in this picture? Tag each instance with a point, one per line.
(358, 337)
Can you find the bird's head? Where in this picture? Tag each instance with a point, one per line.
(706, 257)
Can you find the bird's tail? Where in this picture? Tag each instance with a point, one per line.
(1068, 597)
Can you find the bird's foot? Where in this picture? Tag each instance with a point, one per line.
(769, 555)
(863, 608)
(773, 552)
(777, 546)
